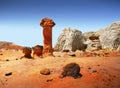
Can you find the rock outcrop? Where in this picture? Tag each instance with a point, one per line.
(110, 37)
(70, 40)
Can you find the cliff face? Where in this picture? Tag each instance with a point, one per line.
(69, 40)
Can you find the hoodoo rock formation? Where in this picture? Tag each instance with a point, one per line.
(47, 25)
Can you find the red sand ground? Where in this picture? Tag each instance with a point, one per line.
(97, 72)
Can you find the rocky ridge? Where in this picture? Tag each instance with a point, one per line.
(9, 45)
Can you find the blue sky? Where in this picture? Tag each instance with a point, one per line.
(19, 19)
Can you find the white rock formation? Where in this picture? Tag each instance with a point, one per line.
(92, 44)
(110, 37)
(70, 40)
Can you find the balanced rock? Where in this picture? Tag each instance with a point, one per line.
(70, 40)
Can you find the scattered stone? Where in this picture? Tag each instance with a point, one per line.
(49, 80)
(94, 71)
(16, 59)
(7, 60)
(98, 65)
(71, 69)
(1, 54)
(45, 71)
(8, 74)
(89, 68)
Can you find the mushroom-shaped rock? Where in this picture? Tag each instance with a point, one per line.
(47, 25)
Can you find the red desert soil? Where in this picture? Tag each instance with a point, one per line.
(97, 72)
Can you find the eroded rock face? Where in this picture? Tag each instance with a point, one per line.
(87, 35)
(37, 50)
(47, 25)
(93, 43)
(70, 40)
(27, 52)
(110, 38)
(71, 69)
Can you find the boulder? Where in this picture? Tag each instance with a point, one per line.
(110, 37)
(45, 71)
(71, 69)
(37, 50)
(70, 40)
(27, 52)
